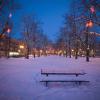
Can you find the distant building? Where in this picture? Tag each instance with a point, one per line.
(12, 46)
(3, 45)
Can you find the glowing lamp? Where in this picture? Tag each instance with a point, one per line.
(10, 15)
(8, 30)
(92, 9)
(89, 24)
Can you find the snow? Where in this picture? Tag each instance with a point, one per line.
(20, 79)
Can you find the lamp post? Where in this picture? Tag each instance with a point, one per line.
(8, 30)
(88, 25)
(8, 50)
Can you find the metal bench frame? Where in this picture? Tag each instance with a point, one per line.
(62, 73)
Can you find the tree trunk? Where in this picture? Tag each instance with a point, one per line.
(76, 54)
(87, 45)
(34, 54)
(27, 54)
(76, 51)
(66, 53)
(69, 50)
(7, 47)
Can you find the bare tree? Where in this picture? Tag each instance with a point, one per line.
(32, 34)
(62, 40)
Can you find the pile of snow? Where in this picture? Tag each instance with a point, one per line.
(20, 79)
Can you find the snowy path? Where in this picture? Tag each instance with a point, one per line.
(19, 79)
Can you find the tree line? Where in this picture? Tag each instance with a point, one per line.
(74, 35)
(31, 30)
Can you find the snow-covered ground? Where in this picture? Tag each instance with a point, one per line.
(20, 79)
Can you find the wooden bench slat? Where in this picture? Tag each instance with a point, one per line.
(53, 73)
(64, 81)
(65, 73)
(75, 81)
(44, 72)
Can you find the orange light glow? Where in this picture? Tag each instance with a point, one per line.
(89, 24)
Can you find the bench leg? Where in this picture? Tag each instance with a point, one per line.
(47, 75)
(76, 75)
(46, 83)
(78, 83)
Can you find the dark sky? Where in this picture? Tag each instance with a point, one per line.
(49, 12)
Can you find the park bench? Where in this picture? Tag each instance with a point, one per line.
(74, 81)
(46, 72)
(61, 73)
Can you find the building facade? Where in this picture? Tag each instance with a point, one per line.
(11, 47)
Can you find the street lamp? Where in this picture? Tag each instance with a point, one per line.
(8, 41)
(92, 9)
(8, 30)
(89, 24)
(10, 15)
